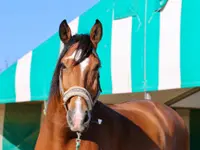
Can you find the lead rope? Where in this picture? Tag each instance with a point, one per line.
(146, 94)
(78, 141)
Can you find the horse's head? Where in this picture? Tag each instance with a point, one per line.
(79, 74)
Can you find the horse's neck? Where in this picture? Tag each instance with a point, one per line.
(57, 117)
(103, 132)
(54, 127)
(102, 111)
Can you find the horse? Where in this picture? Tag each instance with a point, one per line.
(76, 119)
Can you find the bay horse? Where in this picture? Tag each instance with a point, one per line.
(75, 119)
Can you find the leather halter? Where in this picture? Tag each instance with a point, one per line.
(78, 91)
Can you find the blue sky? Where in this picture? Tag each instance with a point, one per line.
(25, 24)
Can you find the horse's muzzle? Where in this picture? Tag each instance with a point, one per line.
(78, 121)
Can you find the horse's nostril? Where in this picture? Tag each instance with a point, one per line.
(87, 117)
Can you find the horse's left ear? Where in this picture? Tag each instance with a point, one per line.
(96, 32)
(64, 32)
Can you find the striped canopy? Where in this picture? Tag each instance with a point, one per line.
(171, 59)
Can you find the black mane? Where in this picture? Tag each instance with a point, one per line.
(85, 45)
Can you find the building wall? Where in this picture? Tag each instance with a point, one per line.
(185, 114)
(192, 120)
(19, 125)
(195, 129)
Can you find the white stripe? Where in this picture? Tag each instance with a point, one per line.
(121, 55)
(169, 54)
(22, 78)
(2, 114)
(74, 25)
(61, 46)
(74, 29)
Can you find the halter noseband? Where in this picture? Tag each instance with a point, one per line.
(77, 91)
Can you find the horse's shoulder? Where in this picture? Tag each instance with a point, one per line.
(156, 119)
(139, 104)
(148, 109)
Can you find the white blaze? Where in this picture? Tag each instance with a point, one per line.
(84, 64)
(78, 105)
(76, 56)
(78, 113)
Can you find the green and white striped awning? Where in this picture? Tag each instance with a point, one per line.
(172, 51)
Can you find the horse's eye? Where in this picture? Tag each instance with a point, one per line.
(96, 67)
(63, 66)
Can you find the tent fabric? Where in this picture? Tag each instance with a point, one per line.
(170, 60)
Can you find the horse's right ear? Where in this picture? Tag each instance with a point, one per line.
(64, 32)
(96, 33)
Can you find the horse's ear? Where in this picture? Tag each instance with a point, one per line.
(96, 32)
(64, 32)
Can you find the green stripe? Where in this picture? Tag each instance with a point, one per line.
(7, 85)
(137, 50)
(190, 47)
(125, 8)
(152, 49)
(44, 59)
(103, 12)
(21, 126)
